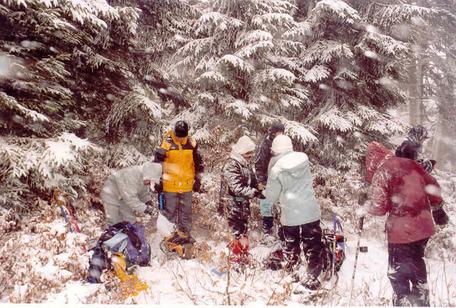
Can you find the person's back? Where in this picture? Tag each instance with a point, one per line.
(404, 189)
(299, 204)
(127, 190)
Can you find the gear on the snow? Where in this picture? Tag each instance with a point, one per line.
(275, 260)
(124, 238)
(334, 253)
(131, 284)
(238, 249)
(180, 243)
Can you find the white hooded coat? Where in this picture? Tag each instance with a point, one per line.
(290, 181)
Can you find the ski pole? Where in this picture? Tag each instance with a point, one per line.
(70, 209)
(361, 222)
(59, 204)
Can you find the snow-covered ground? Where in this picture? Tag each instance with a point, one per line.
(42, 262)
(175, 282)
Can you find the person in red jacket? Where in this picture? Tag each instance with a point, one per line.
(402, 189)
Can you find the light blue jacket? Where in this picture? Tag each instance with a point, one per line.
(290, 182)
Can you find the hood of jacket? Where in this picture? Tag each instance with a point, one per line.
(290, 182)
(295, 164)
(376, 155)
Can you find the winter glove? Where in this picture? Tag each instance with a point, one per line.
(149, 208)
(440, 217)
(197, 185)
(259, 195)
(362, 197)
(159, 187)
(260, 187)
(160, 155)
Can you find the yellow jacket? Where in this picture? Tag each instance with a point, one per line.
(180, 164)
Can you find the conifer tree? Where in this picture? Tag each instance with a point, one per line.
(70, 74)
(328, 78)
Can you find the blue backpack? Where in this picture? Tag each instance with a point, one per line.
(125, 238)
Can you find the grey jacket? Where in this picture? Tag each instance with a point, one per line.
(290, 181)
(126, 186)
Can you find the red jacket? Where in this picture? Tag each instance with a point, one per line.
(403, 189)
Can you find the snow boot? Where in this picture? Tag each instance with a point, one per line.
(268, 222)
(238, 249)
(311, 283)
(180, 243)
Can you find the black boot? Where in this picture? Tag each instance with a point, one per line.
(268, 222)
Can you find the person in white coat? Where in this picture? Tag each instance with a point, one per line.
(128, 190)
(290, 182)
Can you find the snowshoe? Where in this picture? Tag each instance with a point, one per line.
(311, 283)
(130, 283)
(178, 243)
(314, 297)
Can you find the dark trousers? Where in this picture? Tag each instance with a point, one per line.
(310, 237)
(407, 273)
(238, 226)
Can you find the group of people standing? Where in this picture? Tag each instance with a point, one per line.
(279, 176)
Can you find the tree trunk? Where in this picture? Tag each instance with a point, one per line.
(443, 150)
(415, 102)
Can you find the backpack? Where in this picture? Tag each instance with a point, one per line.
(124, 238)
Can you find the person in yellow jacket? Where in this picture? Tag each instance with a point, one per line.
(182, 165)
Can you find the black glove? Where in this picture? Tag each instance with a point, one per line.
(150, 208)
(362, 197)
(160, 155)
(197, 185)
(440, 217)
(159, 187)
(259, 195)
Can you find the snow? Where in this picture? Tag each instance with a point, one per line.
(173, 281)
(189, 282)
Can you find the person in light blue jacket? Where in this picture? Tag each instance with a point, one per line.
(290, 182)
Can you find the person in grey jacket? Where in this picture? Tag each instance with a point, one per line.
(127, 191)
(238, 187)
(290, 182)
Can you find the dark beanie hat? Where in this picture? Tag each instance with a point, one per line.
(276, 127)
(180, 129)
